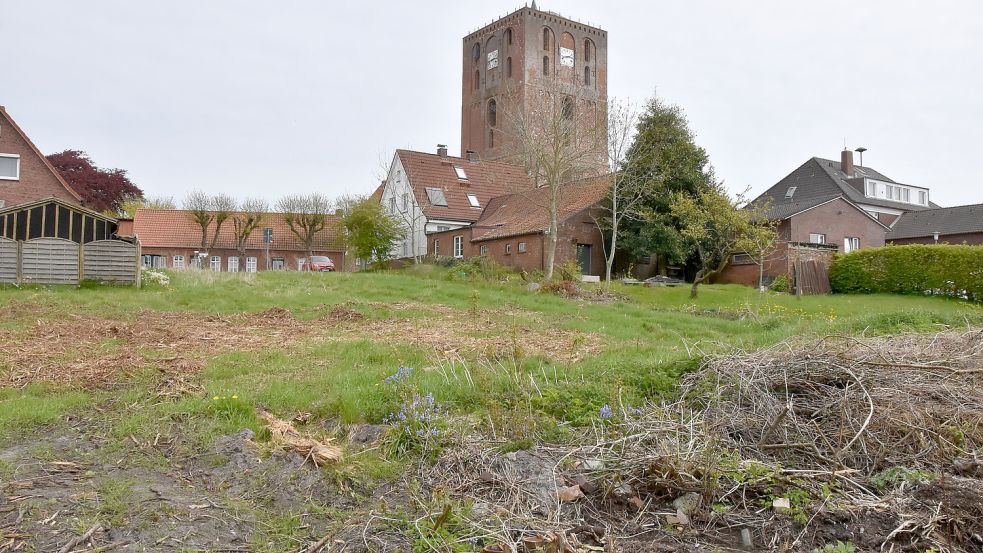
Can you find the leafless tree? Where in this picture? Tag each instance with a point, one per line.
(223, 206)
(199, 207)
(627, 190)
(306, 215)
(557, 139)
(246, 220)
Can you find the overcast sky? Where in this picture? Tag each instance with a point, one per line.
(265, 98)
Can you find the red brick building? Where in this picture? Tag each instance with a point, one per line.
(512, 230)
(171, 239)
(946, 225)
(508, 61)
(25, 174)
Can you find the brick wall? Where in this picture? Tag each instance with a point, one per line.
(290, 257)
(971, 238)
(36, 178)
(837, 220)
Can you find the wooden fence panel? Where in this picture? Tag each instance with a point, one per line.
(8, 261)
(49, 261)
(110, 261)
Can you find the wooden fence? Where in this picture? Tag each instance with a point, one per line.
(60, 261)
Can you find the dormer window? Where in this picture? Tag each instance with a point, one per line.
(473, 200)
(460, 173)
(790, 192)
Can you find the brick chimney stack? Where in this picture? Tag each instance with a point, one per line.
(846, 162)
(472, 156)
(442, 151)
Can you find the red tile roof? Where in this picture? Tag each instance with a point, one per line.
(485, 179)
(528, 212)
(174, 228)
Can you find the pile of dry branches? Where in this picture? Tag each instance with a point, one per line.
(822, 425)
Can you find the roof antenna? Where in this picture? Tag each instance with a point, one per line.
(861, 150)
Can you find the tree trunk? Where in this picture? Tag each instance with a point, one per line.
(610, 260)
(552, 239)
(761, 274)
(696, 284)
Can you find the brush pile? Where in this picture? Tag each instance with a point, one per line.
(871, 441)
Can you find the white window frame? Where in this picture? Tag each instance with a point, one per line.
(250, 264)
(923, 197)
(215, 263)
(392, 204)
(508, 249)
(460, 172)
(851, 244)
(177, 262)
(436, 247)
(483, 250)
(233, 264)
(16, 166)
(459, 246)
(406, 201)
(817, 238)
(522, 247)
(473, 200)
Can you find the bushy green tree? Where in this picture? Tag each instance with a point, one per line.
(713, 228)
(370, 230)
(666, 159)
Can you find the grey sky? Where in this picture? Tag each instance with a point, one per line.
(261, 99)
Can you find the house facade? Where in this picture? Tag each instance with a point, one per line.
(513, 230)
(430, 193)
(171, 239)
(25, 174)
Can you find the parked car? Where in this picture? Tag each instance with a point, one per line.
(320, 263)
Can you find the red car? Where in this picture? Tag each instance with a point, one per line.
(320, 263)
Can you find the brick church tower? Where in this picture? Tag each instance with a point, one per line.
(514, 56)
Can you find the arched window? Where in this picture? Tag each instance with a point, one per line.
(546, 66)
(587, 49)
(546, 39)
(508, 36)
(492, 112)
(476, 52)
(568, 107)
(587, 75)
(508, 66)
(477, 79)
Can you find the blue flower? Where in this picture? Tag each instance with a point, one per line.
(606, 412)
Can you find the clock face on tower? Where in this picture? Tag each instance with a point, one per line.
(493, 59)
(566, 56)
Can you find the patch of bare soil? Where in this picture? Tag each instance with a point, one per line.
(228, 498)
(490, 334)
(95, 352)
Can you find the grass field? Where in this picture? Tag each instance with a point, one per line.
(476, 346)
(114, 400)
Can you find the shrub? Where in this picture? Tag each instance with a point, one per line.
(569, 270)
(950, 271)
(780, 284)
(477, 269)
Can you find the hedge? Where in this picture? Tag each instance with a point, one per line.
(951, 271)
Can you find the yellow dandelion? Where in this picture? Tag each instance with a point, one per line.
(235, 397)
(215, 398)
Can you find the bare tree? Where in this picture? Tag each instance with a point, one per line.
(223, 206)
(246, 220)
(628, 190)
(199, 207)
(306, 215)
(557, 139)
(761, 244)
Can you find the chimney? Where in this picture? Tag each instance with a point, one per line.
(442, 151)
(472, 156)
(846, 162)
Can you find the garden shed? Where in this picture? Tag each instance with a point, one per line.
(52, 241)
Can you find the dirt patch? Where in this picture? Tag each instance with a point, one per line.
(96, 352)
(493, 334)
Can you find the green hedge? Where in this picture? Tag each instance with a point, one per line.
(952, 271)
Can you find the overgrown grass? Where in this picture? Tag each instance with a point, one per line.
(648, 340)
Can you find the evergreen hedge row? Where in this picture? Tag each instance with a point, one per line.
(951, 271)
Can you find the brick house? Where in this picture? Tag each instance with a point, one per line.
(945, 225)
(171, 239)
(824, 207)
(25, 174)
(512, 230)
(437, 192)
